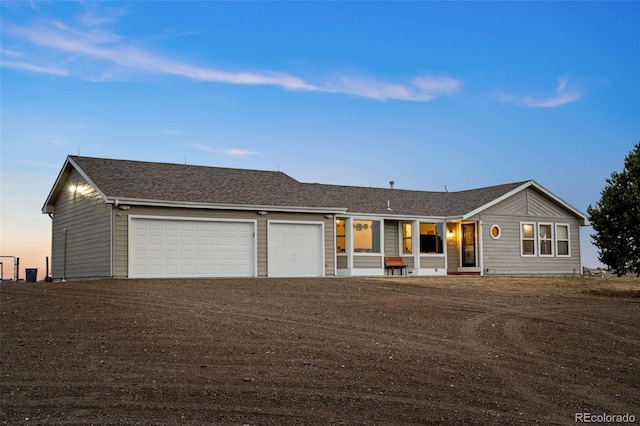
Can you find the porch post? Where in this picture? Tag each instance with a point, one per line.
(348, 227)
(415, 244)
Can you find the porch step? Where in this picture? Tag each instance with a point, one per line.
(463, 273)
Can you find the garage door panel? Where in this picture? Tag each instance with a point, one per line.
(295, 249)
(190, 248)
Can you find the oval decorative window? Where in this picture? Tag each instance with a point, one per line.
(495, 232)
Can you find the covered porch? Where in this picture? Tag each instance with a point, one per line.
(426, 246)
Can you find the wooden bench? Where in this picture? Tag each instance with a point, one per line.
(394, 263)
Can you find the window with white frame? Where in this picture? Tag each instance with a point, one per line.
(528, 239)
(341, 235)
(545, 239)
(407, 240)
(562, 240)
(366, 236)
(431, 238)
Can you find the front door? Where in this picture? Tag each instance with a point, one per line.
(468, 245)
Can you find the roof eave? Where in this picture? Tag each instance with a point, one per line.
(223, 206)
(530, 183)
(396, 216)
(47, 208)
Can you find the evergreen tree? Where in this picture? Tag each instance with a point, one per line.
(616, 218)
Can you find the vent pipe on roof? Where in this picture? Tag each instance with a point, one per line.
(391, 184)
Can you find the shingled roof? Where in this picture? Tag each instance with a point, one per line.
(175, 184)
(179, 183)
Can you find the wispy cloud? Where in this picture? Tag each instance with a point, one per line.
(6, 52)
(233, 152)
(562, 96)
(33, 68)
(106, 49)
(419, 89)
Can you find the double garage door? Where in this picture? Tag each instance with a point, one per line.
(186, 248)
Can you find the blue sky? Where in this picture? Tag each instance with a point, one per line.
(428, 94)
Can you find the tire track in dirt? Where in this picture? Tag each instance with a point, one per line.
(431, 353)
(534, 359)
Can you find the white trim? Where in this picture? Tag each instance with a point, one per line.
(480, 247)
(381, 235)
(443, 237)
(568, 240)
(111, 229)
(535, 239)
(499, 231)
(401, 237)
(362, 272)
(62, 174)
(86, 178)
(334, 246)
(469, 269)
(530, 183)
(476, 243)
(415, 243)
(217, 206)
(424, 272)
(497, 200)
(549, 238)
(405, 218)
(187, 218)
(193, 219)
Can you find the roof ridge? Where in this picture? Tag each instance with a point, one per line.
(177, 164)
(515, 184)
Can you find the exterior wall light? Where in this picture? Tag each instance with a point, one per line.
(262, 212)
(450, 234)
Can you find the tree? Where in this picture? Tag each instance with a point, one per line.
(616, 218)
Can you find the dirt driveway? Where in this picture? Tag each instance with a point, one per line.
(318, 351)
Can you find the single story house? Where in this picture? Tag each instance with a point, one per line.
(133, 219)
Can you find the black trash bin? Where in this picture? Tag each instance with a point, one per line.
(32, 275)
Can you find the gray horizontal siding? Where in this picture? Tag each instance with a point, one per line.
(367, 262)
(391, 238)
(432, 262)
(87, 220)
(503, 257)
(409, 261)
(529, 202)
(121, 241)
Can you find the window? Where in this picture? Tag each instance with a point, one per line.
(341, 235)
(528, 239)
(366, 236)
(431, 238)
(562, 240)
(545, 239)
(495, 232)
(407, 241)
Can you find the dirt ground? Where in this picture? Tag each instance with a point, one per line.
(454, 350)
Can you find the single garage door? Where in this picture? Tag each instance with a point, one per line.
(174, 248)
(295, 249)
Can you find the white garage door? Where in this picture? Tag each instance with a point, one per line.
(173, 248)
(295, 250)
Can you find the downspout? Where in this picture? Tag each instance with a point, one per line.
(47, 276)
(116, 203)
(481, 247)
(64, 255)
